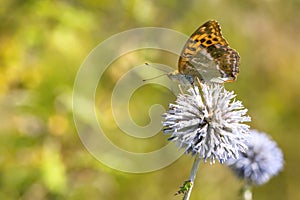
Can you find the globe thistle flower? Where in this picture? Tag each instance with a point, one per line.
(209, 125)
(260, 162)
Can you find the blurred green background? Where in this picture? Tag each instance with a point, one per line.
(42, 45)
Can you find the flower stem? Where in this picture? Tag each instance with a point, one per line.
(192, 176)
(247, 191)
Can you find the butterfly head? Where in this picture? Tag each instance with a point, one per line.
(181, 78)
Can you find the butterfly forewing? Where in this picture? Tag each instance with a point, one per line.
(206, 55)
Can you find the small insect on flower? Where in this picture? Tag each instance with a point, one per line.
(210, 125)
(207, 56)
(185, 187)
(262, 160)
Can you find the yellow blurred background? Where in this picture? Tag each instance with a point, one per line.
(43, 44)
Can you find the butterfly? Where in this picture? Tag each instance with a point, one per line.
(207, 56)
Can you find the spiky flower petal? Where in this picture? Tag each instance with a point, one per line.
(210, 125)
(260, 162)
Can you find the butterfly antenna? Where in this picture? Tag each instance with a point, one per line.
(156, 67)
(149, 79)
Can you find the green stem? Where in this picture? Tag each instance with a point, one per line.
(247, 191)
(192, 177)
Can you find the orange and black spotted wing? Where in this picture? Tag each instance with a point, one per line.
(206, 55)
(205, 36)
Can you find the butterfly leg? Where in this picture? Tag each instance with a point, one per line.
(199, 83)
(180, 88)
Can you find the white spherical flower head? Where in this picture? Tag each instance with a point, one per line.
(210, 125)
(260, 162)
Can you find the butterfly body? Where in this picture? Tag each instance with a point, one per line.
(206, 55)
